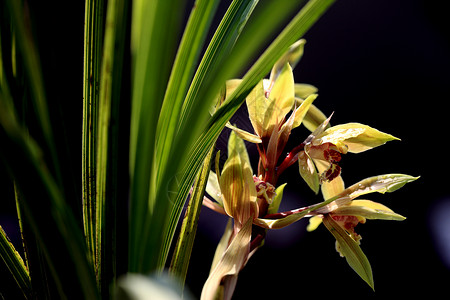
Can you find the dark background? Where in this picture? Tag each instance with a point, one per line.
(382, 63)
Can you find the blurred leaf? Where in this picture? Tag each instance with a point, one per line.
(15, 264)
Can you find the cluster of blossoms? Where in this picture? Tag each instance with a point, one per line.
(276, 106)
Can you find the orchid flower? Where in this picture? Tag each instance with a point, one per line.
(276, 106)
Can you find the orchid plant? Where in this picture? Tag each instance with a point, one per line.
(95, 223)
(276, 106)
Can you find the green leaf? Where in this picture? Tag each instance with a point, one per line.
(108, 173)
(15, 264)
(351, 250)
(93, 49)
(183, 248)
(158, 29)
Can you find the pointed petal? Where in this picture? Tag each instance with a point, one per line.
(313, 118)
(236, 182)
(282, 94)
(357, 137)
(273, 207)
(252, 138)
(222, 245)
(308, 171)
(257, 106)
(231, 263)
(351, 250)
(332, 188)
(368, 209)
(300, 112)
(380, 184)
(213, 187)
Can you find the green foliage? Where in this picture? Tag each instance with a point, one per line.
(131, 51)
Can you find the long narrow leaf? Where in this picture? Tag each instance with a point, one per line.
(60, 238)
(15, 263)
(93, 46)
(220, 46)
(293, 31)
(108, 144)
(181, 76)
(183, 248)
(157, 29)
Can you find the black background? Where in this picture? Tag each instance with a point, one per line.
(382, 63)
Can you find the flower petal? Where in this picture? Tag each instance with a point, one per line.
(350, 249)
(236, 182)
(282, 94)
(213, 187)
(308, 171)
(303, 90)
(252, 138)
(314, 222)
(273, 207)
(380, 184)
(257, 106)
(357, 137)
(302, 110)
(231, 263)
(368, 209)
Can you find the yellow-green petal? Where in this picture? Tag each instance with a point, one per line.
(230, 264)
(257, 106)
(252, 138)
(303, 90)
(282, 95)
(314, 222)
(357, 137)
(369, 210)
(350, 249)
(236, 182)
(308, 171)
(302, 110)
